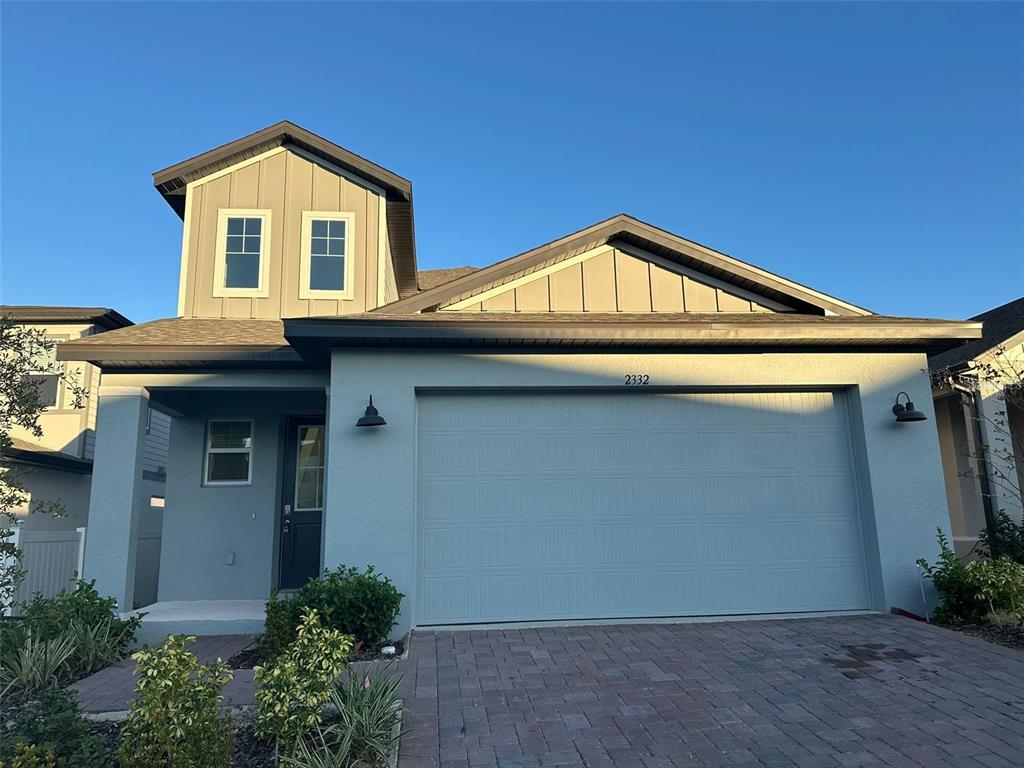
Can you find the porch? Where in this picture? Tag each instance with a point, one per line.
(243, 502)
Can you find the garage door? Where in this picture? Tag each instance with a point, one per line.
(574, 505)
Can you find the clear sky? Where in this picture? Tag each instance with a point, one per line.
(872, 151)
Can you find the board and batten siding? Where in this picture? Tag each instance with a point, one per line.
(608, 280)
(286, 184)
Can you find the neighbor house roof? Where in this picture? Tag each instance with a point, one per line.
(101, 316)
(185, 342)
(1001, 325)
(26, 452)
(172, 183)
(628, 232)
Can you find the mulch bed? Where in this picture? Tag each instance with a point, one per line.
(250, 751)
(256, 655)
(1010, 636)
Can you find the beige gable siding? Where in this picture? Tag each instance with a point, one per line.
(286, 184)
(608, 280)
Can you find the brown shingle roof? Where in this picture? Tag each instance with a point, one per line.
(179, 331)
(101, 316)
(32, 453)
(1000, 324)
(431, 278)
(303, 341)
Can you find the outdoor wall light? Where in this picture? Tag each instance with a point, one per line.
(372, 418)
(905, 411)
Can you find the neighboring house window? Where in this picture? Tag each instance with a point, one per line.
(241, 268)
(45, 374)
(326, 264)
(228, 453)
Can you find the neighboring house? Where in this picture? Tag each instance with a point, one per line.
(619, 423)
(61, 459)
(969, 418)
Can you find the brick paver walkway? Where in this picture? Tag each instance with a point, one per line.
(829, 692)
(112, 689)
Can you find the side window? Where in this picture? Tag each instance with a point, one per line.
(45, 375)
(241, 267)
(326, 264)
(228, 458)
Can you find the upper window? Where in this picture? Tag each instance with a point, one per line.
(326, 269)
(241, 266)
(228, 453)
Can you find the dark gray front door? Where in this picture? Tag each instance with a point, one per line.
(302, 513)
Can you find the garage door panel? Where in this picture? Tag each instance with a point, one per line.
(537, 508)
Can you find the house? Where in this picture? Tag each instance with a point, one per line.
(980, 433)
(619, 423)
(61, 460)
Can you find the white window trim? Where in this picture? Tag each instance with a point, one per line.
(220, 263)
(305, 257)
(207, 450)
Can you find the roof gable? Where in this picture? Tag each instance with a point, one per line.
(172, 182)
(627, 232)
(615, 279)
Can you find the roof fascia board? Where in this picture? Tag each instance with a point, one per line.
(721, 331)
(284, 131)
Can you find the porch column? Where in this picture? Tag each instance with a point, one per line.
(116, 492)
(999, 448)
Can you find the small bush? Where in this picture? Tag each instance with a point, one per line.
(973, 591)
(50, 617)
(358, 603)
(294, 688)
(51, 724)
(37, 665)
(174, 719)
(365, 733)
(30, 756)
(1004, 539)
(283, 616)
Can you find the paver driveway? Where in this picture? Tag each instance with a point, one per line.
(842, 691)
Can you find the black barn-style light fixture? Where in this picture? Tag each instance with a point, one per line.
(371, 418)
(906, 411)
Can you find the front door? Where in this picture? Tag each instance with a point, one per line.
(303, 503)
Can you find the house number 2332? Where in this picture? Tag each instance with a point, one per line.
(636, 379)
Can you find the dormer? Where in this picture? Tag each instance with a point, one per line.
(283, 223)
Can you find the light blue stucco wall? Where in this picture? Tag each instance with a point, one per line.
(206, 528)
(371, 508)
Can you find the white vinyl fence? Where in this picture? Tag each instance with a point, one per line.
(52, 559)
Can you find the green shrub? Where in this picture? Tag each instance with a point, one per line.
(283, 616)
(359, 603)
(51, 723)
(974, 590)
(30, 756)
(294, 688)
(365, 732)
(1004, 539)
(49, 617)
(174, 719)
(36, 665)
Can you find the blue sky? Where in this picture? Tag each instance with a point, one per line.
(872, 151)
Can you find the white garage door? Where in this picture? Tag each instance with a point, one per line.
(574, 505)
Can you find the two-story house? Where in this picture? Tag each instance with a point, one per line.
(59, 462)
(620, 423)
